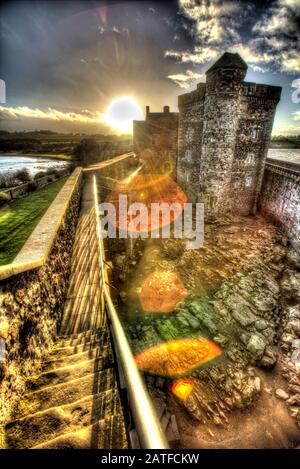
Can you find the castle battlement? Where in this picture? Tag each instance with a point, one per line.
(193, 96)
(157, 133)
(261, 91)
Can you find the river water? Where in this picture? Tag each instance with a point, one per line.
(33, 164)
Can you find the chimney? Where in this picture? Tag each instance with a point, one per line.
(166, 109)
(147, 110)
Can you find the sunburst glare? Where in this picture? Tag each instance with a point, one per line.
(121, 112)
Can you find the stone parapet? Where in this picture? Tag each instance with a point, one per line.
(35, 251)
(32, 295)
(279, 200)
(192, 97)
(261, 91)
(24, 189)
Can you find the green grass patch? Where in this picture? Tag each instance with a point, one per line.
(18, 219)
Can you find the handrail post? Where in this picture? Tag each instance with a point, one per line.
(150, 433)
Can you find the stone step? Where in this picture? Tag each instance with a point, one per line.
(82, 336)
(42, 426)
(81, 279)
(66, 350)
(74, 401)
(85, 249)
(82, 288)
(69, 372)
(65, 393)
(107, 433)
(60, 360)
(88, 270)
(83, 313)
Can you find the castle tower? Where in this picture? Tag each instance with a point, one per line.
(224, 132)
(157, 136)
(221, 117)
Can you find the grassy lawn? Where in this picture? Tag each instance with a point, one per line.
(17, 220)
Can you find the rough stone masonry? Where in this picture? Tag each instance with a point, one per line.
(224, 132)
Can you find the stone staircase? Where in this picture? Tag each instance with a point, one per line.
(74, 401)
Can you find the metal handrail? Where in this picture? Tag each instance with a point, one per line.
(144, 415)
(109, 162)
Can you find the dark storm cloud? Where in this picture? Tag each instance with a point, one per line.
(68, 56)
(81, 54)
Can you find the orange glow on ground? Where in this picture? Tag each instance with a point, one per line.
(137, 182)
(162, 292)
(177, 357)
(149, 189)
(182, 388)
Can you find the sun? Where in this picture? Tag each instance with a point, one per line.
(121, 112)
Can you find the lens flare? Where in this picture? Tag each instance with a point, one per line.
(148, 189)
(182, 388)
(121, 112)
(177, 357)
(162, 292)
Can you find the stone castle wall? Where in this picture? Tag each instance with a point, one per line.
(31, 305)
(221, 119)
(24, 189)
(93, 152)
(251, 146)
(155, 140)
(190, 130)
(224, 132)
(279, 200)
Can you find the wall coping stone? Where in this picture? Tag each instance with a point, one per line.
(272, 162)
(40, 181)
(36, 249)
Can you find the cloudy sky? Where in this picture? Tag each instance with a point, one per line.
(64, 62)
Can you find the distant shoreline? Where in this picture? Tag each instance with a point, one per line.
(289, 143)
